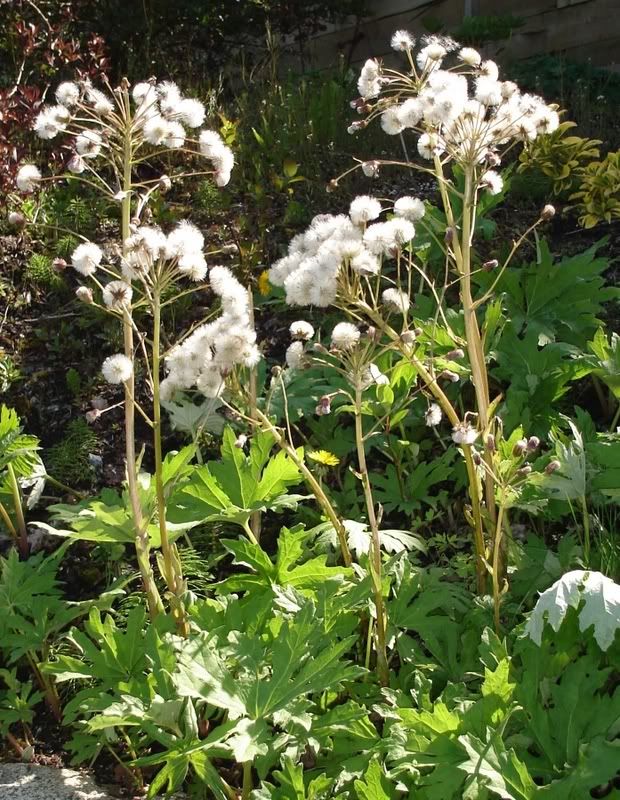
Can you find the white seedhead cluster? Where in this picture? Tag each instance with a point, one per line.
(212, 351)
(453, 100)
(311, 270)
(157, 115)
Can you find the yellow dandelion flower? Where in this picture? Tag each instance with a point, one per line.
(264, 287)
(324, 457)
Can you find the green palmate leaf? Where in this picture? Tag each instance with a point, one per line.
(601, 606)
(375, 785)
(568, 481)
(232, 488)
(419, 486)
(558, 301)
(490, 767)
(537, 376)
(287, 569)
(597, 763)
(605, 360)
(291, 785)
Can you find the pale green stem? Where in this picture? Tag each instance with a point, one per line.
(497, 549)
(172, 570)
(247, 780)
(586, 531)
(374, 555)
(141, 535)
(317, 489)
(19, 512)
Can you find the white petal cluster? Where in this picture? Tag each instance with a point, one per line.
(117, 368)
(86, 258)
(210, 353)
(464, 111)
(28, 178)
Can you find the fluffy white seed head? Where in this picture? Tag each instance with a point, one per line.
(396, 300)
(86, 258)
(28, 178)
(117, 368)
(191, 112)
(470, 56)
(301, 330)
(464, 433)
(402, 41)
(88, 144)
(345, 336)
(492, 182)
(363, 209)
(117, 295)
(433, 415)
(295, 355)
(411, 208)
(68, 93)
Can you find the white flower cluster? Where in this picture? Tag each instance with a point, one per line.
(463, 111)
(210, 353)
(162, 117)
(309, 272)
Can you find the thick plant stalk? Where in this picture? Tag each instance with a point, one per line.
(141, 540)
(317, 489)
(255, 519)
(383, 671)
(171, 565)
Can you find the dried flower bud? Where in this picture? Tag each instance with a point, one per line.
(229, 249)
(489, 266)
(165, 184)
(548, 212)
(492, 159)
(125, 84)
(533, 443)
(240, 441)
(370, 169)
(455, 355)
(448, 375)
(476, 457)
(324, 406)
(418, 331)
(59, 264)
(276, 371)
(408, 337)
(17, 219)
(331, 186)
(552, 466)
(84, 294)
(525, 470)
(448, 235)
(490, 443)
(519, 447)
(92, 416)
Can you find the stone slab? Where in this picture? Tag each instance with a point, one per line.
(33, 782)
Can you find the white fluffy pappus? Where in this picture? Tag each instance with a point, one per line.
(117, 368)
(86, 258)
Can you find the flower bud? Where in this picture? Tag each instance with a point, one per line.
(164, 184)
(476, 458)
(371, 332)
(59, 264)
(533, 443)
(552, 466)
(489, 266)
(84, 294)
(370, 169)
(548, 212)
(324, 406)
(331, 186)
(76, 164)
(320, 348)
(455, 355)
(408, 337)
(418, 331)
(525, 470)
(276, 371)
(490, 443)
(240, 441)
(17, 219)
(519, 448)
(92, 416)
(448, 235)
(448, 375)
